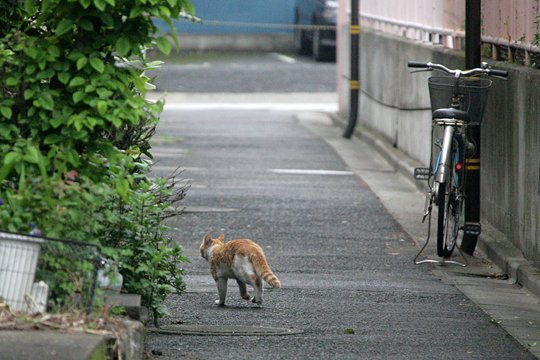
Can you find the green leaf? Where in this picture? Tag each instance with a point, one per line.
(11, 158)
(107, 19)
(46, 101)
(8, 164)
(164, 45)
(6, 112)
(31, 52)
(111, 2)
(122, 46)
(32, 155)
(30, 69)
(86, 25)
(164, 11)
(97, 64)
(102, 107)
(85, 3)
(77, 81)
(12, 81)
(28, 93)
(81, 62)
(78, 96)
(56, 122)
(29, 6)
(64, 26)
(64, 77)
(54, 51)
(104, 93)
(189, 7)
(122, 188)
(116, 121)
(100, 4)
(45, 74)
(135, 11)
(52, 139)
(75, 55)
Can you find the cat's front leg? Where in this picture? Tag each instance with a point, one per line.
(243, 290)
(222, 290)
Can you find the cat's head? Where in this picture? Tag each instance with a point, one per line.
(208, 244)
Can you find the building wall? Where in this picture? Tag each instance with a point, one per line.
(238, 17)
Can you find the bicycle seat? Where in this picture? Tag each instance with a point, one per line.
(451, 113)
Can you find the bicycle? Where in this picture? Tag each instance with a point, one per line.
(457, 101)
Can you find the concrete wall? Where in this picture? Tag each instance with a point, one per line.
(511, 159)
(395, 104)
(393, 101)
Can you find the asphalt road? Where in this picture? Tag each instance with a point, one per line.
(244, 73)
(343, 261)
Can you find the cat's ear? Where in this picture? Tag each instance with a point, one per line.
(208, 238)
(221, 237)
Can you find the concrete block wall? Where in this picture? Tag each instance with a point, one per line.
(511, 159)
(395, 105)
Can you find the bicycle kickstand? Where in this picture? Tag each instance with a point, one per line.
(431, 261)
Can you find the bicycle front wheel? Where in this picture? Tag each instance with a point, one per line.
(449, 218)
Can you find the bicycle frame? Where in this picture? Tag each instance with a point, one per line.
(444, 170)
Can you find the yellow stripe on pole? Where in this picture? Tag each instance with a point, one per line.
(472, 164)
(355, 29)
(355, 84)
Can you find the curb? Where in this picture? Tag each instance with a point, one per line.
(493, 243)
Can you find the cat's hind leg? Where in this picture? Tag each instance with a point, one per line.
(222, 290)
(256, 282)
(243, 290)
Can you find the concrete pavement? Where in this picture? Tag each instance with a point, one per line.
(340, 227)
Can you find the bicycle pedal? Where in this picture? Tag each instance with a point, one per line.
(472, 229)
(421, 173)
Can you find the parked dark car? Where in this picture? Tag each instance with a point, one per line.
(318, 42)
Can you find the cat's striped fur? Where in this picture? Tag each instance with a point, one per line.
(242, 260)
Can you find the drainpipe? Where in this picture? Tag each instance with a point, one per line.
(354, 69)
(473, 44)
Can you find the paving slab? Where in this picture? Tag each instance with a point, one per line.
(50, 345)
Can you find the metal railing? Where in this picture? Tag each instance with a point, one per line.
(510, 29)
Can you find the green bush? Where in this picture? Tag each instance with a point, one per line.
(75, 129)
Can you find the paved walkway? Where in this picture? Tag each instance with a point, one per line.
(326, 212)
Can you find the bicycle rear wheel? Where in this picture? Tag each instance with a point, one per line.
(450, 210)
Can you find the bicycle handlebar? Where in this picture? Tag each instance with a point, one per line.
(429, 66)
(501, 73)
(418, 64)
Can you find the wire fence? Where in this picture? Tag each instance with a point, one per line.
(40, 274)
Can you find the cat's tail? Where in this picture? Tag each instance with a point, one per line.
(271, 278)
(263, 270)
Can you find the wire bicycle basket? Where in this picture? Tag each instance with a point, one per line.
(474, 94)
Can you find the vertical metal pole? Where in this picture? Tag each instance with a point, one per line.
(355, 70)
(473, 44)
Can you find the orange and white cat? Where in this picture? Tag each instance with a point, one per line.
(242, 260)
